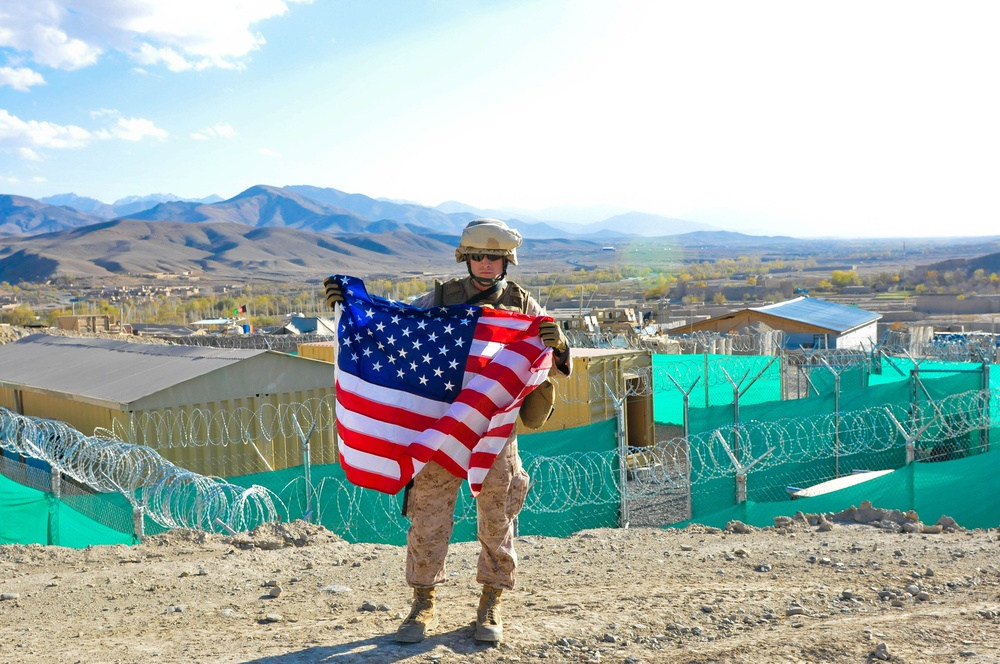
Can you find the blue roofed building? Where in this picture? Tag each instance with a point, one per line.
(807, 322)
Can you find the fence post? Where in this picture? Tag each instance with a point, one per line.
(52, 534)
(623, 518)
(986, 406)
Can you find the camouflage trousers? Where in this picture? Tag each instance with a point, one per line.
(431, 509)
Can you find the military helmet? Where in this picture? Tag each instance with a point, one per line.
(488, 236)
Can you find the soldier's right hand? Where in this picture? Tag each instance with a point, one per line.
(334, 293)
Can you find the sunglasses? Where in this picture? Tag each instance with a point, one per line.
(480, 257)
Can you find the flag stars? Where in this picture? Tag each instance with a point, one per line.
(432, 337)
(380, 326)
(367, 352)
(438, 372)
(449, 386)
(427, 359)
(400, 373)
(453, 364)
(448, 329)
(391, 340)
(423, 380)
(377, 366)
(443, 350)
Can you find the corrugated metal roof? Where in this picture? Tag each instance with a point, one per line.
(832, 316)
(107, 370)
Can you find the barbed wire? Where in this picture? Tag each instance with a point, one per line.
(170, 495)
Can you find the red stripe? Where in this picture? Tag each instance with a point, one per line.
(369, 480)
(382, 412)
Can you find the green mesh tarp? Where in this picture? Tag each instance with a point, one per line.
(573, 488)
(812, 446)
(960, 489)
(707, 378)
(29, 516)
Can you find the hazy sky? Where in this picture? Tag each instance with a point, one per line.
(845, 118)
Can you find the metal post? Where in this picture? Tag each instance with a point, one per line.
(139, 522)
(623, 519)
(986, 407)
(836, 423)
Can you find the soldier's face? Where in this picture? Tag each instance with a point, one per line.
(487, 267)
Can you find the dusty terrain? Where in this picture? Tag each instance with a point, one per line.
(805, 590)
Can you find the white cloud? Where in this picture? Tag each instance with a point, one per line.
(28, 154)
(132, 129)
(20, 78)
(180, 35)
(215, 131)
(268, 153)
(16, 133)
(27, 137)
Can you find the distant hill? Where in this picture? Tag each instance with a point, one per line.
(990, 263)
(328, 210)
(123, 206)
(26, 216)
(238, 252)
(263, 206)
(223, 250)
(730, 239)
(375, 209)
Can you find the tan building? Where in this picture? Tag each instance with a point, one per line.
(193, 404)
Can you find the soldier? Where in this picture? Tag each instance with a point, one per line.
(487, 247)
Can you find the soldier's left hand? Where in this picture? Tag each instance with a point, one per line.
(552, 335)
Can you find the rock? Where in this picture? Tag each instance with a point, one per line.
(881, 653)
(8, 596)
(273, 618)
(738, 527)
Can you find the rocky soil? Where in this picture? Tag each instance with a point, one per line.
(861, 586)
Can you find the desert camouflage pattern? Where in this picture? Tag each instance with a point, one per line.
(431, 509)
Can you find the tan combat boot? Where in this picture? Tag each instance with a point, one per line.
(421, 619)
(489, 624)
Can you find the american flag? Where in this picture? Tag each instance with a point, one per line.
(415, 385)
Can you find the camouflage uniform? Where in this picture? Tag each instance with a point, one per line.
(431, 503)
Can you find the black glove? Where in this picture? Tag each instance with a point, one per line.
(552, 335)
(334, 293)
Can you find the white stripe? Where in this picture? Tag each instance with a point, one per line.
(390, 396)
(390, 432)
(509, 322)
(368, 462)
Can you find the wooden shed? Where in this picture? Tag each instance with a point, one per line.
(599, 376)
(195, 405)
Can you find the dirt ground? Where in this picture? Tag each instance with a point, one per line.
(862, 586)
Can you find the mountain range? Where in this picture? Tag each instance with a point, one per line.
(309, 208)
(289, 233)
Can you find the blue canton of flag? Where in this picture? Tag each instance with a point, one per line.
(401, 347)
